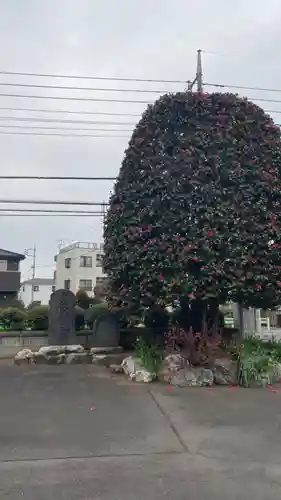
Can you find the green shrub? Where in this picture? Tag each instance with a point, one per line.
(37, 317)
(149, 354)
(95, 312)
(257, 360)
(12, 318)
(79, 317)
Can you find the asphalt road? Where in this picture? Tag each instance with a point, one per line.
(74, 432)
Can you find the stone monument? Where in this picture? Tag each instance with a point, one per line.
(106, 331)
(62, 318)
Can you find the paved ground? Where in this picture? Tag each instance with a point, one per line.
(138, 443)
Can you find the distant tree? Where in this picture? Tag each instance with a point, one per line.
(82, 299)
(196, 209)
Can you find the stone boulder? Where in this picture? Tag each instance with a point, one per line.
(172, 364)
(24, 357)
(193, 377)
(135, 371)
(51, 350)
(225, 371)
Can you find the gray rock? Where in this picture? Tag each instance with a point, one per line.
(78, 358)
(51, 350)
(56, 359)
(205, 378)
(135, 371)
(40, 359)
(225, 371)
(172, 364)
(116, 368)
(60, 349)
(106, 350)
(193, 377)
(99, 359)
(69, 349)
(24, 357)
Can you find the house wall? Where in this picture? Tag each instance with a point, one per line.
(42, 295)
(76, 272)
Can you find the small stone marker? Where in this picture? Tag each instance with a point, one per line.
(106, 331)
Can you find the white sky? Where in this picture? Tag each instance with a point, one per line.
(142, 39)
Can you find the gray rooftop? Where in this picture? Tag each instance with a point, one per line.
(11, 255)
(39, 281)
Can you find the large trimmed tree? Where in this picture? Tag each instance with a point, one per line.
(196, 209)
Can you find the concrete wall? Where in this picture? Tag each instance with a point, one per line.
(12, 342)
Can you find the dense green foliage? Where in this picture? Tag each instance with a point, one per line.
(258, 361)
(12, 318)
(195, 210)
(37, 317)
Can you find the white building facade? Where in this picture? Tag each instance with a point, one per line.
(36, 290)
(79, 266)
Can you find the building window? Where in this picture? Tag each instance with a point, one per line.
(67, 263)
(53, 288)
(12, 265)
(35, 288)
(86, 261)
(99, 259)
(100, 280)
(23, 288)
(67, 284)
(86, 285)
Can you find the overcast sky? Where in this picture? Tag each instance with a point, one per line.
(147, 39)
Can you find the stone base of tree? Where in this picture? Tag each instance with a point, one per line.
(76, 354)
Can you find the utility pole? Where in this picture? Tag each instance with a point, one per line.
(199, 75)
(31, 252)
(199, 72)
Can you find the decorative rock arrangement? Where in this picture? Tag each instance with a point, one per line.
(70, 354)
(132, 368)
(177, 371)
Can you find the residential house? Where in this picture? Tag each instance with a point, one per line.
(79, 266)
(9, 276)
(37, 290)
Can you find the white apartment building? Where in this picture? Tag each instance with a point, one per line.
(79, 266)
(36, 290)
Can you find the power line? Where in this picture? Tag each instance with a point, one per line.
(67, 111)
(70, 129)
(39, 210)
(243, 87)
(88, 77)
(58, 120)
(64, 98)
(50, 215)
(53, 202)
(89, 89)
(97, 99)
(56, 178)
(34, 134)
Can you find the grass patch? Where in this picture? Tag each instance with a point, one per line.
(150, 355)
(257, 361)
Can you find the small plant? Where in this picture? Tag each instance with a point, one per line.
(257, 361)
(150, 355)
(200, 348)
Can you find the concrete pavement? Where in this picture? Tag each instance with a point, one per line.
(75, 432)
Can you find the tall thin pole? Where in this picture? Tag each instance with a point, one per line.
(33, 271)
(199, 72)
